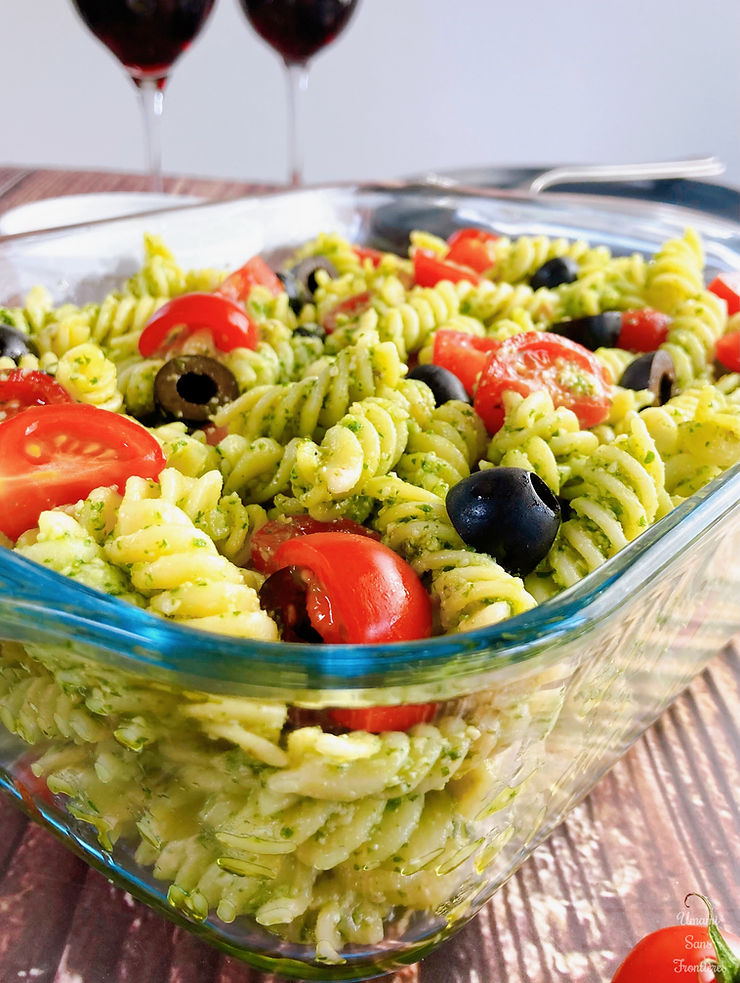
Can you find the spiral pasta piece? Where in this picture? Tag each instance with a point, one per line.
(675, 273)
(311, 405)
(257, 470)
(539, 437)
(161, 276)
(409, 324)
(444, 451)
(517, 259)
(180, 570)
(89, 377)
(692, 334)
(620, 492)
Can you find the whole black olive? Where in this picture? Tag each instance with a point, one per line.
(305, 272)
(594, 331)
(508, 513)
(551, 274)
(443, 383)
(283, 595)
(192, 387)
(14, 344)
(654, 371)
(296, 296)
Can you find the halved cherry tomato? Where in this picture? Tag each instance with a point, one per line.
(472, 247)
(727, 351)
(375, 720)
(227, 322)
(533, 361)
(255, 272)
(429, 270)
(270, 536)
(55, 455)
(462, 354)
(727, 286)
(643, 330)
(21, 388)
(357, 589)
(366, 252)
(351, 307)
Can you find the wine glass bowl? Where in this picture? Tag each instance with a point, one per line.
(147, 37)
(297, 30)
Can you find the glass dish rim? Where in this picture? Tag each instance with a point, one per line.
(136, 640)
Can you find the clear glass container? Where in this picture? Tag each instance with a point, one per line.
(198, 771)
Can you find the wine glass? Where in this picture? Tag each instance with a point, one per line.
(297, 29)
(147, 37)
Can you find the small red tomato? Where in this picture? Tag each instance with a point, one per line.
(643, 330)
(21, 388)
(273, 534)
(351, 308)
(226, 321)
(375, 720)
(255, 272)
(430, 270)
(357, 589)
(536, 360)
(462, 354)
(365, 252)
(472, 247)
(727, 351)
(727, 286)
(56, 454)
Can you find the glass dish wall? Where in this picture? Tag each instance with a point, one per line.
(202, 773)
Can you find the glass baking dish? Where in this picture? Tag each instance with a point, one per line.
(180, 763)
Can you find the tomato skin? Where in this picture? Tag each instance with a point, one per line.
(21, 388)
(228, 323)
(255, 272)
(727, 351)
(366, 252)
(643, 330)
(727, 286)
(358, 590)
(675, 952)
(57, 454)
(274, 533)
(430, 270)
(538, 360)
(472, 247)
(376, 720)
(352, 307)
(462, 354)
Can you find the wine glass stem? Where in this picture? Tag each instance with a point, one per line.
(151, 101)
(297, 76)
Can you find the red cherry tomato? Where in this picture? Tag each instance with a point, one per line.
(365, 252)
(358, 590)
(643, 330)
(278, 531)
(727, 351)
(229, 325)
(375, 720)
(472, 247)
(533, 361)
(255, 272)
(674, 953)
(21, 388)
(727, 286)
(462, 354)
(350, 308)
(429, 270)
(55, 455)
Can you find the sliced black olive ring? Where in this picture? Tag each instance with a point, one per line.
(192, 387)
(14, 344)
(654, 371)
(443, 383)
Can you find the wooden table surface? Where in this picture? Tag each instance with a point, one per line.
(663, 822)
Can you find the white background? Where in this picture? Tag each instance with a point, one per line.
(412, 85)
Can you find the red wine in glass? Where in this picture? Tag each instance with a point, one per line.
(297, 30)
(147, 37)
